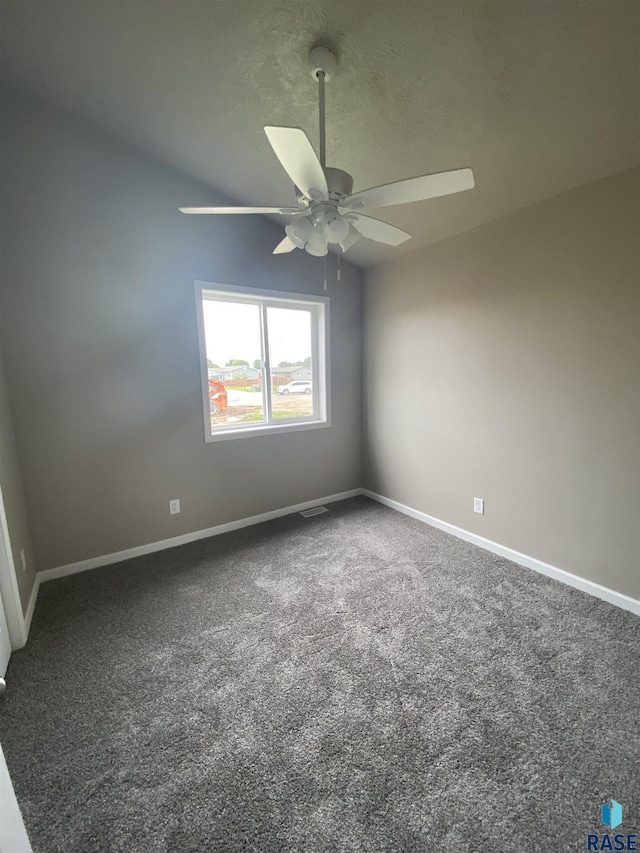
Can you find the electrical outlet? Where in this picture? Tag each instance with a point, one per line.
(478, 505)
(174, 507)
(23, 557)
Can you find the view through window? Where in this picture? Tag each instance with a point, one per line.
(264, 360)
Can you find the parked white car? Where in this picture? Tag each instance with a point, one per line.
(299, 386)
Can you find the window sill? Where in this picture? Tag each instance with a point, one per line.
(265, 429)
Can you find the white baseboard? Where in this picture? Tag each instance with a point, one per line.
(129, 553)
(595, 589)
(610, 595)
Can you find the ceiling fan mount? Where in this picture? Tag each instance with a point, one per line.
(328, 209)
(322, 60)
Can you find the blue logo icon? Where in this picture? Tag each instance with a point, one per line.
(612, 817)
(612, 814)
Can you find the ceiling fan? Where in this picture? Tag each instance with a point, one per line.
(329, 211)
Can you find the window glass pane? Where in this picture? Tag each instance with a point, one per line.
(234, 327)
(234, 347)
(290, 347)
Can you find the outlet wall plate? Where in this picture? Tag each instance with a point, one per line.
(478, 505)
(174, 506)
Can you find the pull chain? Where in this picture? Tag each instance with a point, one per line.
(338, 275)
(324, 266)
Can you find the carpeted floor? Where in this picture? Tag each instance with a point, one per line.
(356, 681)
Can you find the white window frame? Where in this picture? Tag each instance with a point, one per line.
(320, 372)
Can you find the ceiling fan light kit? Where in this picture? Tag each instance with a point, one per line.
(299, 231)
(329, 211)
(336, 228)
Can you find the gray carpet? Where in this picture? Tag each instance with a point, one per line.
(356, 681)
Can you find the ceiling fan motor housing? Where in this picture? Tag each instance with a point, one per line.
(339, 182)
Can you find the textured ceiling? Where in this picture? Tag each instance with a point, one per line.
(537, 97)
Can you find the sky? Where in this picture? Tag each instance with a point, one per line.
(232, 330)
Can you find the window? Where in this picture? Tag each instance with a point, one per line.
(264, 360)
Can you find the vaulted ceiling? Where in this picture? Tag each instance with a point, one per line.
(536, 96)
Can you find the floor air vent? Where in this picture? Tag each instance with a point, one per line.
(317, 510)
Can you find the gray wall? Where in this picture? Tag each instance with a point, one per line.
(99, 334)
(13, 497)
(504, 363)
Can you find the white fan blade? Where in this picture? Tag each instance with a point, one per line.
(292, 147)
(413, 189)
(382, 232)
(285, 245)
(285, 211)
